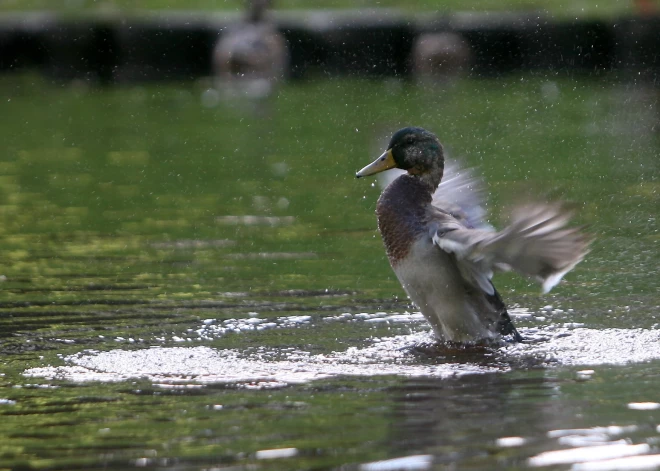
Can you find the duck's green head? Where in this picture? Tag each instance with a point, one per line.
(413, 149)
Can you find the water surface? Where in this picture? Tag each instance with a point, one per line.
(185, 285)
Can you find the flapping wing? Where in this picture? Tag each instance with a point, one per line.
(444, 227)
(537, 243)
(461, 193)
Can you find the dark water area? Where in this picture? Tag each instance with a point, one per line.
(193, 282)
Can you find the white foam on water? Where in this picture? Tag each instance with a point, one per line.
(569, 345)
(597, 448)
(215, 328)
(384, 356)
(274, 368)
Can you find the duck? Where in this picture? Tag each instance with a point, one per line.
(252, 55)
(440, 57)
(444, 255)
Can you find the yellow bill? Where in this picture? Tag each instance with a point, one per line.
(382, 163)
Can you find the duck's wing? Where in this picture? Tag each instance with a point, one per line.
(460, 193)
(476, 272)
(536, 243)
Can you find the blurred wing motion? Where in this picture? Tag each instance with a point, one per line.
(537, 243)
(460, 193)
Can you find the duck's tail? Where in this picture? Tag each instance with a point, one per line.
(504, 324)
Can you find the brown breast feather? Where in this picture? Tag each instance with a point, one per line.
(401, 211)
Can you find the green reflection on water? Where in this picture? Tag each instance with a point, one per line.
(128, 215)
(557, 8)
(112, 425)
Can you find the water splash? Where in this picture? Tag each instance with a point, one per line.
(396, 355)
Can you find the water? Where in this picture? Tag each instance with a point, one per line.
(187, 286)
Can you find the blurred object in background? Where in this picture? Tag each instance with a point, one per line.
(645, 7)
(251, 56)
(440, 57)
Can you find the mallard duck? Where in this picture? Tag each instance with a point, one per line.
(444, 255)
(440, 56)
(252, 53)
